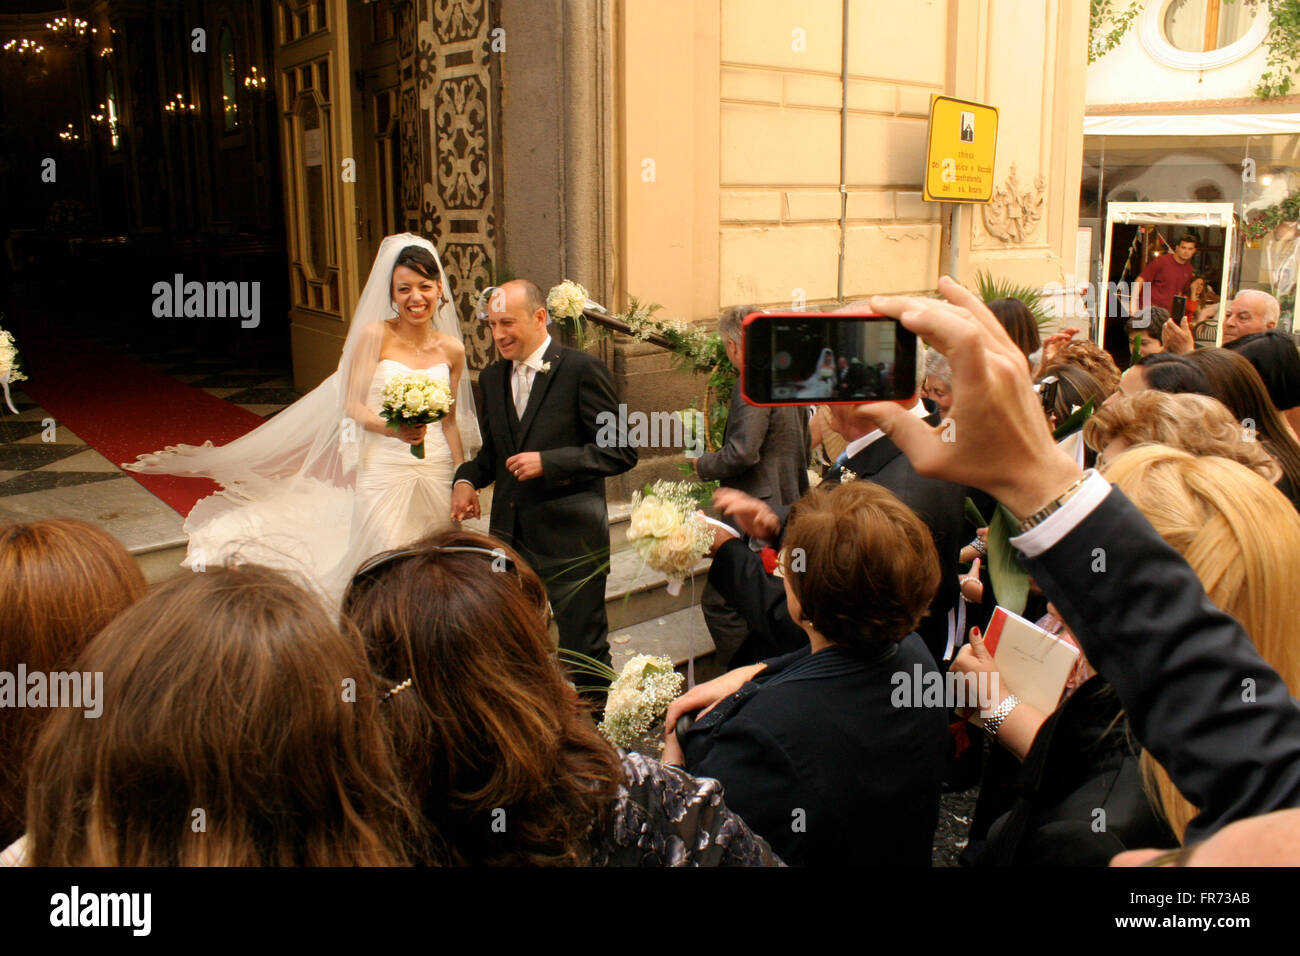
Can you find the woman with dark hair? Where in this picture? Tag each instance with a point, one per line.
(61, 581)
(327, 482)
(1019, 323)
(505, 761)
(1234, 381)
(1069, 387)
(1162, 372)
(239, 727)
(826, 736)
(1275, 358)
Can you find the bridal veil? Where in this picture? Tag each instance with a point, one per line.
(309, 452)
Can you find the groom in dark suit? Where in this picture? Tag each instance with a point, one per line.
(541, 410)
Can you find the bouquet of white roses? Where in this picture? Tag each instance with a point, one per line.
(11, 367)
(671, 534)
(566, 303)
(416, 398)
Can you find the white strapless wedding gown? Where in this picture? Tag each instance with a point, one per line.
(323, 532)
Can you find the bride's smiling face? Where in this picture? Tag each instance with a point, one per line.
(415, 296)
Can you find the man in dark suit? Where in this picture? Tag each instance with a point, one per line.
(739, 575)
(544, 412)
(764, 453)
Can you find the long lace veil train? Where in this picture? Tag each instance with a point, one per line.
(310, 450)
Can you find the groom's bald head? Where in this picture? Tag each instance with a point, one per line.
(519, 325)
(532, 297)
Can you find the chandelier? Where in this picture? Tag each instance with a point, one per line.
(70, 31)
(23, 47)
(177, 105)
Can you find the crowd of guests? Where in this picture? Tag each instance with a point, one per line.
(431, 723)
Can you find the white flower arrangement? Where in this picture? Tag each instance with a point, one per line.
(11, 367)
(416, 398)
(566, 300)
(639, 698)
(669, 530)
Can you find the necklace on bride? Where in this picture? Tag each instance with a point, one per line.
(420, 350)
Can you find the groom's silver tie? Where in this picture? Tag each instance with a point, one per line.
(521, 389)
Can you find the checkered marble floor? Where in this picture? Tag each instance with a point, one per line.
(47, 471)
(31, 462)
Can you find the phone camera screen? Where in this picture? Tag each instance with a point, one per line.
(836, 361)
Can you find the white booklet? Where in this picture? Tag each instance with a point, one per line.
(1033, 663)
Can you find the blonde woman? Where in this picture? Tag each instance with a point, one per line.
(1242, 538)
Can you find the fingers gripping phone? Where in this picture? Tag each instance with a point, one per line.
(800, 358)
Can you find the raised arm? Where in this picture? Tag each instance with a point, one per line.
(1176, 661)
(1197, 693)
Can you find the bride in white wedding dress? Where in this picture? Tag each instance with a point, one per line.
(327, 483)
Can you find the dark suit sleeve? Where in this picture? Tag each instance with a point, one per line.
(481, 470)
(737, 573)
(1196, 692)
(597, 458)
(746, 431)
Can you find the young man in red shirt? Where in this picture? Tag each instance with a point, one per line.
(1168, 276)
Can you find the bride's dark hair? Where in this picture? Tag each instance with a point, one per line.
(420, 259)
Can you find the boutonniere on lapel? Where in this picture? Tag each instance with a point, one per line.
(544, 368)
(848, 474)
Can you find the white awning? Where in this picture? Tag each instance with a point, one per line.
(1191, 124)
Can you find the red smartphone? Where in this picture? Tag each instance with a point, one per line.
(827, 358)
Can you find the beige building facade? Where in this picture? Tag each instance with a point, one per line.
(741, 119)
(694, 153)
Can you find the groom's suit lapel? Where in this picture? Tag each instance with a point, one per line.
(508, 403)
(541, 383)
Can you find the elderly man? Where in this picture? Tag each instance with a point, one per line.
(1250, 312)
(764, 453)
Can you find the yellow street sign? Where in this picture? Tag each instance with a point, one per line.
(959, 160)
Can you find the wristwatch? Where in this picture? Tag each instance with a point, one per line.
(994, 720)
(1053, 506)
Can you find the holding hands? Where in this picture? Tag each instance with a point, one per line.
(464, 501)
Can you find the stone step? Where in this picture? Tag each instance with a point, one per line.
(669, 635)
(161, 560)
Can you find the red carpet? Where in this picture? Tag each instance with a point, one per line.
(123, 409)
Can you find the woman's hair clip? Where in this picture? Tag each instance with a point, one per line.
(397, 690)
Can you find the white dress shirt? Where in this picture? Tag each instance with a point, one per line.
(858, 444)
(531, 366)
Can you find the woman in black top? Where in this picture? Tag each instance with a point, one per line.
(833, 753)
